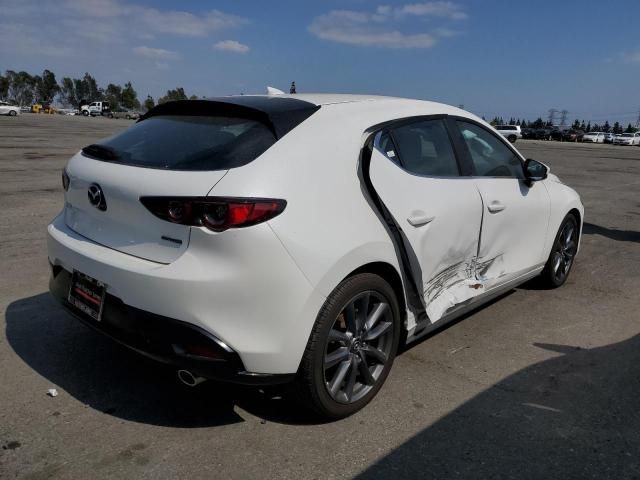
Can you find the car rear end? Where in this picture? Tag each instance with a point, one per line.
(145, 252)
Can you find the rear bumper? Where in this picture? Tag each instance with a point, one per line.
(240, 287)
(163, 339)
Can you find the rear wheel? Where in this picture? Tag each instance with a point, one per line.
(563, 252)
(351, 348)
(512, 138)
(12, 113)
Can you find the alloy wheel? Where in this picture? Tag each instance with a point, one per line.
(565, 251)
(358, 347)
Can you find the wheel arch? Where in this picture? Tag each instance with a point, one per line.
(390, 274)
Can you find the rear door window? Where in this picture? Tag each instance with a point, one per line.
(181, 142)
(424, 148)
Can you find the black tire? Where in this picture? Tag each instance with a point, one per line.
(512, 138)
(311, 384)
(555, 274)
(85, 113)
(12, 113)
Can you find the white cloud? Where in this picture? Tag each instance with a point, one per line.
(231, 46)
(448, 10)
(629, 57)
(155, 53)
(386, 26)
(185, 23)
(83, 29)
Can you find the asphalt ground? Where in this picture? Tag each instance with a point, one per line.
(538, 384)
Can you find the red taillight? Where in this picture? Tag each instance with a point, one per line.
(215, 213)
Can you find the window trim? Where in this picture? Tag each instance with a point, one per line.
(465, 149)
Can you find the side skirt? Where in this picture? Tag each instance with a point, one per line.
(472, 304)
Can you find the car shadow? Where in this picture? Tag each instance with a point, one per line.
(612, 233)
(112, 379)
(573, 416)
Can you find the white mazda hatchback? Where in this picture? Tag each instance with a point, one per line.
(272, 239)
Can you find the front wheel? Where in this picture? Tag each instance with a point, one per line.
(563, 253)
(12, 113)
(512, 138)
(351, 348)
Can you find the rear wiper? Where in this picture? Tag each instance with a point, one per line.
(101, 152)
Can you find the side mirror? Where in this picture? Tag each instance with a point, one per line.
(535, 171)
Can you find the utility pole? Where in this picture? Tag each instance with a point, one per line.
(552, 115)
(563, 117)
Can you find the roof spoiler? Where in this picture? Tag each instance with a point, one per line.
(280, 114)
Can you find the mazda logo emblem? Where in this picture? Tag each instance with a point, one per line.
(96, 197)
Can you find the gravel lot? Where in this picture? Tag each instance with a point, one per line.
(539, 384)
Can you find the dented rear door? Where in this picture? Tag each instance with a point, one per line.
(414, 172)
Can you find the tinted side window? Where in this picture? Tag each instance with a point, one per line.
(424, 148)
(491, 157)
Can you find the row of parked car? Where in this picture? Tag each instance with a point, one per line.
(93, 109)
(514, 132)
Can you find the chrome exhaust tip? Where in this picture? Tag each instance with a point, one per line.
(189, 379)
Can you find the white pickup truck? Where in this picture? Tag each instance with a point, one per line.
(95, 108)
(510, 132)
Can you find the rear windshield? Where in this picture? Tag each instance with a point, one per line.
(179, 142)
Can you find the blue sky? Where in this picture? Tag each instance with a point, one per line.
(496, 57)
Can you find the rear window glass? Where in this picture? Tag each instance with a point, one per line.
(179, 142)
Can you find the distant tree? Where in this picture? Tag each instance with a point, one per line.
(82, 91)
(588, 129)
(22, 87)
(4, 87)
(149, 103)
(193, 97)
(539, 123)
(94, 93)
(617, 128)
(46, 86)
(130, 97)
(68, 93)
(113, 95)
(583, 127)
(606, 127)
(173, 95)
(630, 129)
(576, 124)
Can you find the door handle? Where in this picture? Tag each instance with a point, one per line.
(495, 207)
(419, 220)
